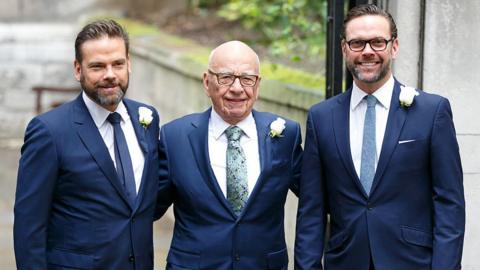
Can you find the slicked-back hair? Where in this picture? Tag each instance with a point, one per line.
(97, 30)
(364, 10)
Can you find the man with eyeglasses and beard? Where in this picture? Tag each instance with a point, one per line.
(227, 172)
(382, 161)
(88, 173)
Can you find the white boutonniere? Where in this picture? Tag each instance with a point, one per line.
(277, 127)
(145, 116)
(407, 94)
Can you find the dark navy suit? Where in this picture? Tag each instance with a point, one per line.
(414, 218)
(208, 235)
(71, 211)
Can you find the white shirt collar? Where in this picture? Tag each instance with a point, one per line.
(218, 125)
(383, 94)
(100, 114)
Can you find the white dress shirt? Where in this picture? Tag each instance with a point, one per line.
(217, 149)
(358, 108)
(99, 116)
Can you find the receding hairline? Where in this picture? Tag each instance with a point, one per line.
(234, 44)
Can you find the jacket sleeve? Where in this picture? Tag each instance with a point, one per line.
(165, 189)
(37, 175)
(311, 214)
(448, 194)
(296, 166)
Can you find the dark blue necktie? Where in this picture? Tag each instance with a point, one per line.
(369, 149)
(122, 158)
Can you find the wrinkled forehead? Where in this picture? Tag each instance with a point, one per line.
(238, 59)
(240, 65)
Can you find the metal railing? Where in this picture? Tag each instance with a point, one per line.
(40, 90)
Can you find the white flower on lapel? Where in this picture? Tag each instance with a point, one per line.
(145, 116)
(407, 94)
(277, 127)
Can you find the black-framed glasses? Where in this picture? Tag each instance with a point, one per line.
(228, 79)
(377, 44)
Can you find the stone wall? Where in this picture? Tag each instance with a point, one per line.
(36, 48)
(30, 55)
(451, 69)
(55, 10)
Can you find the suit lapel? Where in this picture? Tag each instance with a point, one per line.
(396, 119)
(199, 142)
(88, 133)
(265, 152)
(140, 132)
(341, 129)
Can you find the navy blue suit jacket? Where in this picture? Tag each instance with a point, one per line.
(414, 217)
(71, 211)
(207, 233)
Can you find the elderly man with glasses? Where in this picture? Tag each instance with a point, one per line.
(382, 161)
(227, 172)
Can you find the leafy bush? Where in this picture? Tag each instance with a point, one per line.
(289, 27)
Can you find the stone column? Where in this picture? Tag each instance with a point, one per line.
(407, 15)
(451, 69)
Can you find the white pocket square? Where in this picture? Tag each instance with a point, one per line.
(405, 141)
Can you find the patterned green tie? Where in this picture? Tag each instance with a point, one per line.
(237, 186)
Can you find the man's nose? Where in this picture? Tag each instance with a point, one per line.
(236, 85)
(109, 73)
(368, 49)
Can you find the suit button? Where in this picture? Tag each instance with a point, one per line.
(237, 257)
(133, 220)
(369, 207)
(131, 258)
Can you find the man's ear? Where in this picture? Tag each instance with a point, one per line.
(344, 47)
(129, 64)
(257, 86)
(77, 68)
(206, 82)
(395, 47)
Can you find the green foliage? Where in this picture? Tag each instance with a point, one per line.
(206, 3)
(288, 27)
(292, 76)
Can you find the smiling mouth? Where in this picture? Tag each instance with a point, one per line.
(109, 88)
(235, 100)
(368, 64)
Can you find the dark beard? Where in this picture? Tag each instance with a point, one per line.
(101, 100)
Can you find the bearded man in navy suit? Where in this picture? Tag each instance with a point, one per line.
(88, 173)
(382, 160)
(228, 171)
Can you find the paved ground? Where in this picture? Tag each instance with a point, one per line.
(9, 155)
(8, 169)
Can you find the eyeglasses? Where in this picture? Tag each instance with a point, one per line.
(228, 79)
(377, 44)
